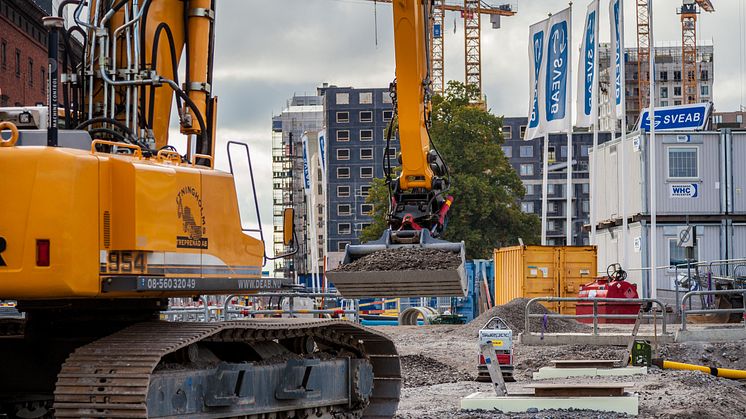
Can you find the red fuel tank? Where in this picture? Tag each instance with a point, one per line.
(602, 287)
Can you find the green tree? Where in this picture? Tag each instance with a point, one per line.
(486, 211)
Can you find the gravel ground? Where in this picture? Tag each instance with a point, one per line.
(434, 391)
(419, 371)
(405, 259)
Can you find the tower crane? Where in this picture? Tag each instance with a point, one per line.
(690, 79)
(643, 53)
(471, 11)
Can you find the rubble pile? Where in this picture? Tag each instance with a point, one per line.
(405, 259)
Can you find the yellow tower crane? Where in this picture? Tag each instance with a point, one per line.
(471, 11)
(689, 74)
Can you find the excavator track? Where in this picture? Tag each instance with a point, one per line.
(110, 378)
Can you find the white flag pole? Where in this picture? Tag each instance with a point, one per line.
(568, 110)
(622, 161)
(653, 178)
(544, 187)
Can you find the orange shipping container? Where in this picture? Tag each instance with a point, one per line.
(543, 271)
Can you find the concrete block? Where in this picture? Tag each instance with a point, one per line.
(628, 404)
(610, 339)
(553, 372)
(716, 334)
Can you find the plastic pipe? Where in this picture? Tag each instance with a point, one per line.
(718, 372)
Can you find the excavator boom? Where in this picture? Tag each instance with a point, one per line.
(419, 204)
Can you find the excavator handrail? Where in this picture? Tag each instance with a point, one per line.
(168, 155)
(207, 157)
(137, 150)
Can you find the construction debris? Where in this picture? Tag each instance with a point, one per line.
(404, 259)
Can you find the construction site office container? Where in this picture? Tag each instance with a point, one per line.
(543, 271)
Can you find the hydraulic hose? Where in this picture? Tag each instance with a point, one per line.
(717, 372)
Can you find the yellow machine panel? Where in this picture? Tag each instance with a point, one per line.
(155, 227)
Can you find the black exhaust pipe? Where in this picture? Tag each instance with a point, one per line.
(53, 24)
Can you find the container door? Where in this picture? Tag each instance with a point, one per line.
(540, 274)
(578, 268)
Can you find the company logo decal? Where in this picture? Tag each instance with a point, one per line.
(191, 214)
(687, 190)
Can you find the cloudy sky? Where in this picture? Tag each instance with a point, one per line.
(269, 50)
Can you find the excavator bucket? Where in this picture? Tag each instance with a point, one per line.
(398, 265)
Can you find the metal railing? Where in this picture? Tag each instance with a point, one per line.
(690, 294)
(221, 308)
(231, 310)
(596, 315)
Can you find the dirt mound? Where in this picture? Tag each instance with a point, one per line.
(419, 371)
(405, 259)
(514, 313)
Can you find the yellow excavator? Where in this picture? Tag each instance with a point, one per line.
(103, 220)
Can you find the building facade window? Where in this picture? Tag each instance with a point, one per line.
(343, 172)
(705, 90)
(677, 75)
(366, 98)
(30, 72)
(366, 135)
(388, 116)
(527, 151)
(677, 255)
(508, 151)
(677, 90)
(366, 154)
(586, 206)
(4, 54)
(343, 117)
(344, 228)
(391, 153)
(18, 63)
(664, 75)
(507, 132)
(343, 135)
(683, 163)
(366, 116)
(704, 75)
(344, 209)
(664, 92)
(366, 209)
(343, 98)
(366, 172)
(529, 189)
(527, 207)
(527, 170)
(365, 190)
(584, 150)
(341, 246)
(386, 97)
(523, 132)
(343, 154)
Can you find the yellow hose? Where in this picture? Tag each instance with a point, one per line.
(718, 372)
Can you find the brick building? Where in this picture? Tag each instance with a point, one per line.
(23, 52)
